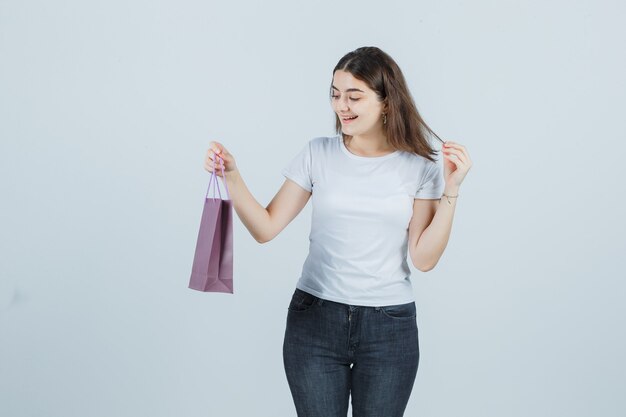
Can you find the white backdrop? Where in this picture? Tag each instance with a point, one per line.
(107, 110)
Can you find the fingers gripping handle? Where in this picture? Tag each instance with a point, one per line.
(216, 183)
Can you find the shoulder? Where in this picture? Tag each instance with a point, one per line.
(418, 163)
(323, 141)
(322, 144)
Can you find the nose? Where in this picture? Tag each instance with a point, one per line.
(342, 104)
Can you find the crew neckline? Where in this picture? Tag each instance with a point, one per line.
(346, 151)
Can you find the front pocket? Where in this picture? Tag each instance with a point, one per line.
(302, 301)
(400, 311)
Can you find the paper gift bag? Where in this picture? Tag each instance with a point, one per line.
(212, 269)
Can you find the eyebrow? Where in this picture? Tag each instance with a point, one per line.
(349, 89)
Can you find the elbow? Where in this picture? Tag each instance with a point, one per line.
(263, 238)
(265, 233)
(423, 267)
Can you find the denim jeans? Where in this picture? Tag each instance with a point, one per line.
(332, 351)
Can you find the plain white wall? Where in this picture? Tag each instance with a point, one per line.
(107, 110)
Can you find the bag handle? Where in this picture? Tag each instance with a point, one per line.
(216, 184)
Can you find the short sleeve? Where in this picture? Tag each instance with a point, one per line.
(432, 184)
(299, 168)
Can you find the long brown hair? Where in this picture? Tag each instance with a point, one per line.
(405, 129)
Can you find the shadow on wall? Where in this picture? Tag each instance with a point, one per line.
(10, 295)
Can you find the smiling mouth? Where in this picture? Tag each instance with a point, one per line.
(346, 119)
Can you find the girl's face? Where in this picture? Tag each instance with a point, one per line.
(352, 97)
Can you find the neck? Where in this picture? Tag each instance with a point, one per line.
(369, 145)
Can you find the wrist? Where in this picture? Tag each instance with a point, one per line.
(451, 190)
(231, 176)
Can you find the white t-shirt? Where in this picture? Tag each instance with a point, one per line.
(362, 207)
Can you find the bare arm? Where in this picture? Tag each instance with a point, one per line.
(432, 220)
(429, 230)
(264, 223)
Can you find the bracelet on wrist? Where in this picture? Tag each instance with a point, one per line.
(449, 197)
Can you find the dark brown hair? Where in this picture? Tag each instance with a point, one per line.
(405, 129)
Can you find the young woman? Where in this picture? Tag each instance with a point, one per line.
(351, 325)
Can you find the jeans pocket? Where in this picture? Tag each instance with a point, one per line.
(302, 301)
(400, 311)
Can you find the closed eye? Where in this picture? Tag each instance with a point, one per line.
(353, 99)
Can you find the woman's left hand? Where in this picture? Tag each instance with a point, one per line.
(456, 164)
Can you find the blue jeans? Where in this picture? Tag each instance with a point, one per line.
(333, 350)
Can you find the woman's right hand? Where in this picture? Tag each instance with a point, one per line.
(217, 157)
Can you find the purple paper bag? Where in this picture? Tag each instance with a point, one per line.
(212, 269)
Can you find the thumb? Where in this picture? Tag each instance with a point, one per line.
(216, 147)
